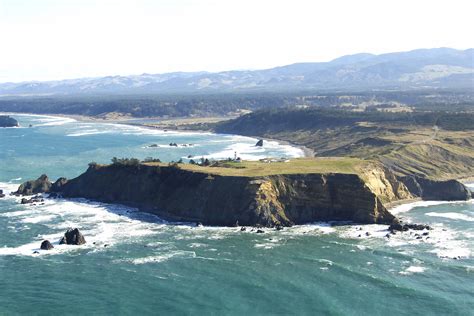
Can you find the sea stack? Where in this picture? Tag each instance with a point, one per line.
(8, 121)
(46, 245)
(72, 237)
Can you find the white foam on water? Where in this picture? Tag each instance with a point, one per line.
(326, 262)
(403, 208)
(444, 242)
(38, 219)
(159, 258)
(44, 120)
(88, 132)
(413, 269)
(32, 249)
(290, 151)
(245, 151)
(100, 224)
(53, 121)
(453, 252)
(317, 228)
(248, 150)
(127, 129)
(9, 187)
(369, 231)
(270, 243)
(172, 147)
(452, 215)
(197, 245)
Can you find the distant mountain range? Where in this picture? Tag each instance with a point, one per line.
(422, 68)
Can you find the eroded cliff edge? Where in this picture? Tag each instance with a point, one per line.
(224, 197)
(178, 194)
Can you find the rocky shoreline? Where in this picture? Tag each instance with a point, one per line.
(265, 201)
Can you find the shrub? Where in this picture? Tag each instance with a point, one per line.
(125, 161)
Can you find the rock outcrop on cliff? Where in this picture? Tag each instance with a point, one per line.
(384, 183)
(40, 185)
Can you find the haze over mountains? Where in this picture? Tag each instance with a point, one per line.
(423, 68)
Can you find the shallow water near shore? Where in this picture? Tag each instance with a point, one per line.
(134, 262)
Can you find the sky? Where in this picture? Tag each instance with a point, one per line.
(60, 39)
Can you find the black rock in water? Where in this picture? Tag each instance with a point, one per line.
(259, 143)
(40, 185)
(35, 199)
(46, 245)
(54, 195)
(8, 121)
(405, 227)
(2, 194)
(72, 237)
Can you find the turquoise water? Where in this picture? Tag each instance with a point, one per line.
(134, 263)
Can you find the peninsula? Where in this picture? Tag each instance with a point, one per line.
(250, 193)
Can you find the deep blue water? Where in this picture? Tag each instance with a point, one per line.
(134, 263)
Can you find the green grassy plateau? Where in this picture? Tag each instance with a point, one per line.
(294, 166)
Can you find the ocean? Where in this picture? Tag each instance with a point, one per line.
(136, 263)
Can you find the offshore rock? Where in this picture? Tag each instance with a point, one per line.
(40, 185)
(35, 199)
(8, 121)
(259, 143)
(46, 245)
(72, 237)
(405, 227)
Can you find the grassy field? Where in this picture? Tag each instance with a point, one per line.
(435, 144)
(294, 166)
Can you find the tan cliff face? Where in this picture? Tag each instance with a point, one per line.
(384, 183)
(272, 200)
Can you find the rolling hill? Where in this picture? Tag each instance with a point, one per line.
(422, 68)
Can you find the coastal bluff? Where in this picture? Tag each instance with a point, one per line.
(226, 195)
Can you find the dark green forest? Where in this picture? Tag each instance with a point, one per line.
(186, 105)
